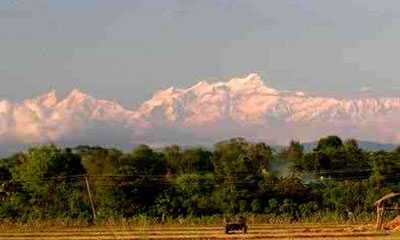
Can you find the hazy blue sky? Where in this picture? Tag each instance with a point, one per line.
(127, 49)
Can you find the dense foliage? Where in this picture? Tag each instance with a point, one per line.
(235, 177)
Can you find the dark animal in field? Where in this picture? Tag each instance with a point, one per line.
(237, 224)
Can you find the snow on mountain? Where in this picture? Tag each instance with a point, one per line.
(239, 107)
(268, 113)
(47, 119)
(249, 101)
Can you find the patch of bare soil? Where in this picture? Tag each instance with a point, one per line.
(393, 225)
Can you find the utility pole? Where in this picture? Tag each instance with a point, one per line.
(90, 196)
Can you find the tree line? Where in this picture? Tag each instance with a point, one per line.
(337, 178)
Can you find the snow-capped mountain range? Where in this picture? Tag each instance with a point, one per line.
(239, 107)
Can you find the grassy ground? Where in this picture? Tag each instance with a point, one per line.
(255, 231)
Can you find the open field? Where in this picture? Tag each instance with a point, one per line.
(259, 231)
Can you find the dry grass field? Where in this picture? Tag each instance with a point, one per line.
(258, 231)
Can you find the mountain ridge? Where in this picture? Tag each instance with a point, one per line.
(245, 107)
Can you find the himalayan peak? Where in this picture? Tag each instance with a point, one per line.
(243, 107)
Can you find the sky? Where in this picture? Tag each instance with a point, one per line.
(128, 49)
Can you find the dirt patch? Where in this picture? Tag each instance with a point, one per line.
(393, 225)
(260, 231)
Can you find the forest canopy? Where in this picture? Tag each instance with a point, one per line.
(234, 177)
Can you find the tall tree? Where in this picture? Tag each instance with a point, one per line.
(48, 177)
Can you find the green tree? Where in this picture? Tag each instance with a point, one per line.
(329, 142)
(195, 160)
(172, 156)
(238, 168)
(194, 191)
(47, 177)
(145, 180)
(103, 169)
(293, 153)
